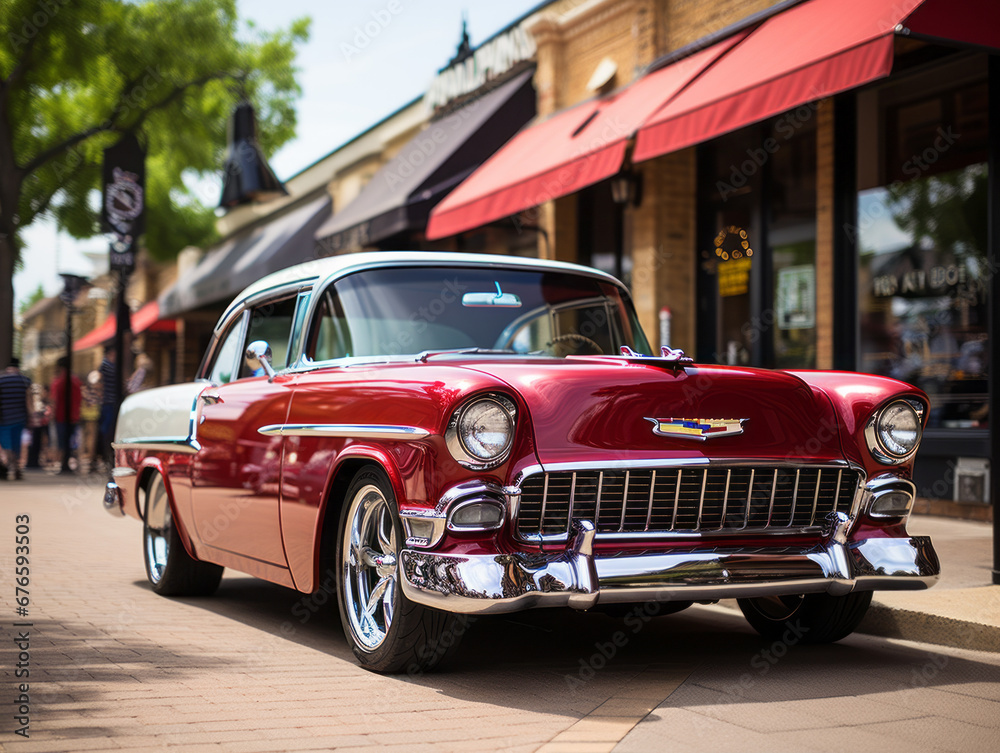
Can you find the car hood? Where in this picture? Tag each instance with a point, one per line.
(602, 409)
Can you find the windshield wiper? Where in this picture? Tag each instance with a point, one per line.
(464, 351)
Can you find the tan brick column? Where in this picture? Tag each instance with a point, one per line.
(663, 247)
(824, 234)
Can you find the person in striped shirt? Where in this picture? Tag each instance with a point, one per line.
(15, 391)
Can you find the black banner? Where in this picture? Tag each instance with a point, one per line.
(123, 212)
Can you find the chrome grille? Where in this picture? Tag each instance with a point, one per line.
(685, 500)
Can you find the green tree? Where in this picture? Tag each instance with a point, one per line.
(75, 75)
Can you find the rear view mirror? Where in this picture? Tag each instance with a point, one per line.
(499, 298)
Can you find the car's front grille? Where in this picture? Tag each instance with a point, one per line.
(684, 500)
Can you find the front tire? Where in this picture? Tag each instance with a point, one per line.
(170, 570)
(810, 618)
(387, 632)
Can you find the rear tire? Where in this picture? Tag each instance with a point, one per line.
(386, 631)
(170, 570)
(810, 618)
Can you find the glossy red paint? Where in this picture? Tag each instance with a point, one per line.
(416, 394)
(596, 409)
(855, 397)
(236, 474)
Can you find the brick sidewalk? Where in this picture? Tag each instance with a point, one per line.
(115, 667)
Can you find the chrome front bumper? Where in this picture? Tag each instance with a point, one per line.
(114, 499)
(488, 584)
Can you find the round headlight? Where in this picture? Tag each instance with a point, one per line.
(898, 429)
(485, 430)
(481, 432)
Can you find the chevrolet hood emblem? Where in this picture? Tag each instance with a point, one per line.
(697, 428)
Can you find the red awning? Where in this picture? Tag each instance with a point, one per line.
(573, 149)
(145, 319)
(806, 53)
(96, 336)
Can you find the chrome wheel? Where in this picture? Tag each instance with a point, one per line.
(369, 566)
(157, 530)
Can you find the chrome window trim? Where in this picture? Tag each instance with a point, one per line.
(208, 362)
(346, 431)
(321, 283)
(858, 499)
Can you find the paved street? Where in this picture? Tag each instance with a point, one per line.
(114, 667)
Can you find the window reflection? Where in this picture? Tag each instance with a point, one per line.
(923, 290)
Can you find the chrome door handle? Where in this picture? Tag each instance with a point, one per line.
(211, 399)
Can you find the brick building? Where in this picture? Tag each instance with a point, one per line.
(802, 184)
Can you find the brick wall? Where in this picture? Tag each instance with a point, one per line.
(663, 240)
(687, 21)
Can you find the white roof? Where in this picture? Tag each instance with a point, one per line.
(337, 266)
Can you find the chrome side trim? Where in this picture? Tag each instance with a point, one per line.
(122, 472)
(347, 431)
(576, 577)
(183, 445)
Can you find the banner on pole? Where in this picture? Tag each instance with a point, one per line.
(123, 212)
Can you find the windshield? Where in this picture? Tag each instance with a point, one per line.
(402, 311)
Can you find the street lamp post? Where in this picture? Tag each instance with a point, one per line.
(72, 285)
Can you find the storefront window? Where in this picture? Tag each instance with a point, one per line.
(923, 280)
(757, 224)
(924, 290)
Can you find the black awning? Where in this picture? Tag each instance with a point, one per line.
(239, 261)
(400, 196)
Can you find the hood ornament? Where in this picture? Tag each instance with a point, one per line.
(675, 359)
(698, 429)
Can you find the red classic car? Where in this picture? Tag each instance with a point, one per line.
(463, 434)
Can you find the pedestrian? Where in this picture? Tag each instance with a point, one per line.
(15, 407)
(109, 406)
(135, 382)
(65, 425)
(90, 417)
(38, 422)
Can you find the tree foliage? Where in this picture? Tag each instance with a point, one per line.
(950, 211)
(77, 74)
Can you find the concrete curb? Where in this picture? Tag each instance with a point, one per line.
(925, 627)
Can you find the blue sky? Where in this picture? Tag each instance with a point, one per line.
(351, 78)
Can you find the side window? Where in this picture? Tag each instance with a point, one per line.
(329, 336)
(225, 358)
(271, 322)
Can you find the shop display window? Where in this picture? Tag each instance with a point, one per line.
(923, 278)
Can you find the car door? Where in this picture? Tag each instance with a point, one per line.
(236, 472)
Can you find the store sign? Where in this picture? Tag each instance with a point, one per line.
(489, 61)
(920, 281)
